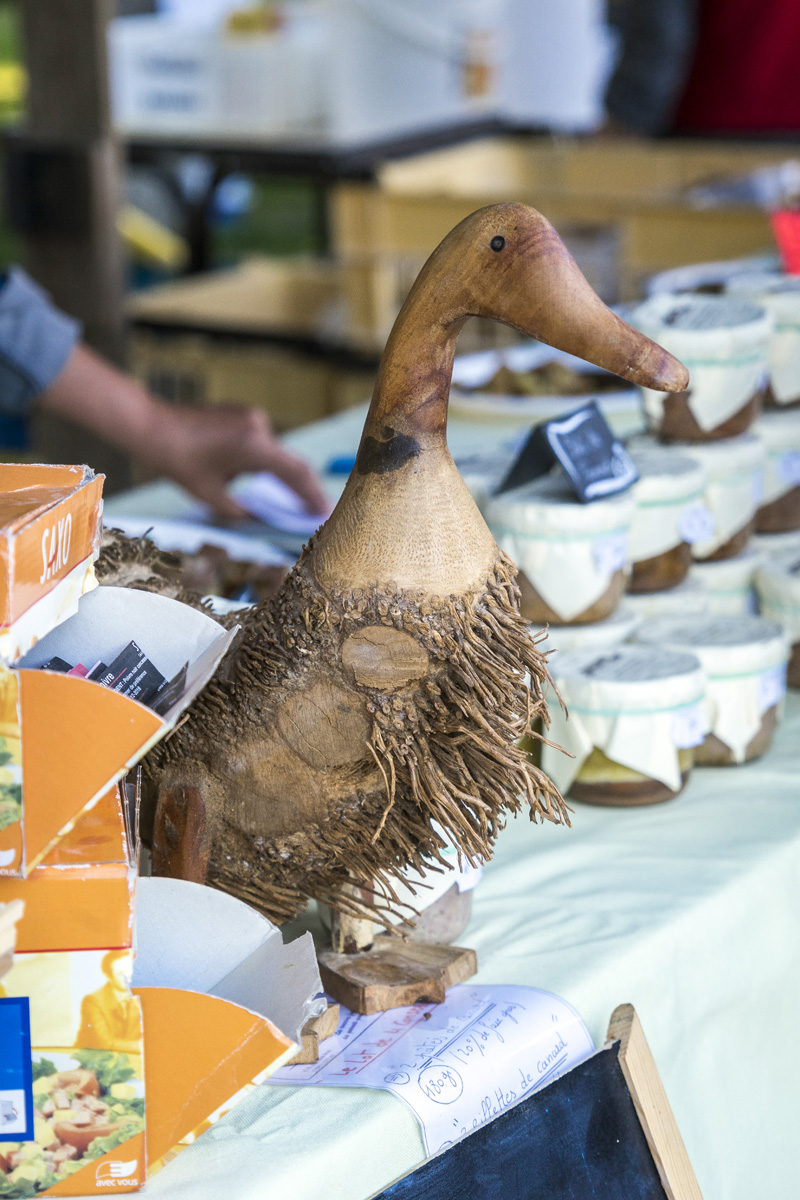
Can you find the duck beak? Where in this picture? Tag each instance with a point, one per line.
(560, 308)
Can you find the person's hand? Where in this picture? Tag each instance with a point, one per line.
(203, 449)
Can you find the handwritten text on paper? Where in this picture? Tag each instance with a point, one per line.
(457, 1064)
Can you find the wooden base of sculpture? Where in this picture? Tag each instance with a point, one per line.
(369, 971)
(393, 973)
(316, 1030)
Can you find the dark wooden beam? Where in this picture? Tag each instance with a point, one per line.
(65, 54)
(78, 260)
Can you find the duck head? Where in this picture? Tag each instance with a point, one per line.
(405, 516)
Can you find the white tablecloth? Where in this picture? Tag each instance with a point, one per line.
(690, 910)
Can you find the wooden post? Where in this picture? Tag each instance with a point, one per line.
(67, 176)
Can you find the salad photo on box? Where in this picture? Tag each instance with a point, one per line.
(86, 1084)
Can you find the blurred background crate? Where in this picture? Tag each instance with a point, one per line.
(627, 200)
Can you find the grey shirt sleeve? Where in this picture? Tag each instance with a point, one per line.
(657, 39)
(36, 339)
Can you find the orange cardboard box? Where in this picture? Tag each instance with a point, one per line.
(207, 961)
(203, 961)
(65, 740)
(70, 1028)
(50, 526)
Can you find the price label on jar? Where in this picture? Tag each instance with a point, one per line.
(771, 687)
(697, 524)
(610, 552)
(788, 467)
(689, 726)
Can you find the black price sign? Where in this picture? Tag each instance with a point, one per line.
(596, 462)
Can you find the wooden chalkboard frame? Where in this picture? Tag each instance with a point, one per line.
(603, 1130)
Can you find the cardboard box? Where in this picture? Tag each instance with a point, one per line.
(50, 524)
(207, 961)
(287, 382)
(393, 69)
(68, 739)
(72, 1078)
(524, 166)
(204, 961)
(70, 1027)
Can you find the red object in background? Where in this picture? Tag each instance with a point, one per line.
(786, 227)
(745, 74)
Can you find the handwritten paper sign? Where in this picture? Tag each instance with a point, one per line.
(458, 1064)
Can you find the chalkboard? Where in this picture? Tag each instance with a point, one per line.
(595, 461)
(603, 1131)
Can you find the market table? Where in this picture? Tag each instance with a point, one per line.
(688, 909)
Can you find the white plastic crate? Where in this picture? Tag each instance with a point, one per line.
(172, 77)
(559, 57)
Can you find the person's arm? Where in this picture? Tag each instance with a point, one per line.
(36, 339)
(657, 39)
(202, 449)
(43, 363)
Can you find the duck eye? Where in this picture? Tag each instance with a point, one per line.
(497, 243)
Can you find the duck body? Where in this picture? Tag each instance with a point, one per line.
(380, 697)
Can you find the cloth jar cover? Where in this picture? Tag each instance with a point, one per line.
(778, 587)
(482, 473)
(735, 485)
(780, 433)
(744, 659)
(730, 582)
(640, 705)
(724, 344)
(695, 277)
(689, 596)
(566, 638)
(474, 374)
(772, 544)
(670, 500)
(780, 296)
(569, 551)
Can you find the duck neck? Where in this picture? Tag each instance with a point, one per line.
(413, 386)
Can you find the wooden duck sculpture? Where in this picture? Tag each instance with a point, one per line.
(386, 687)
